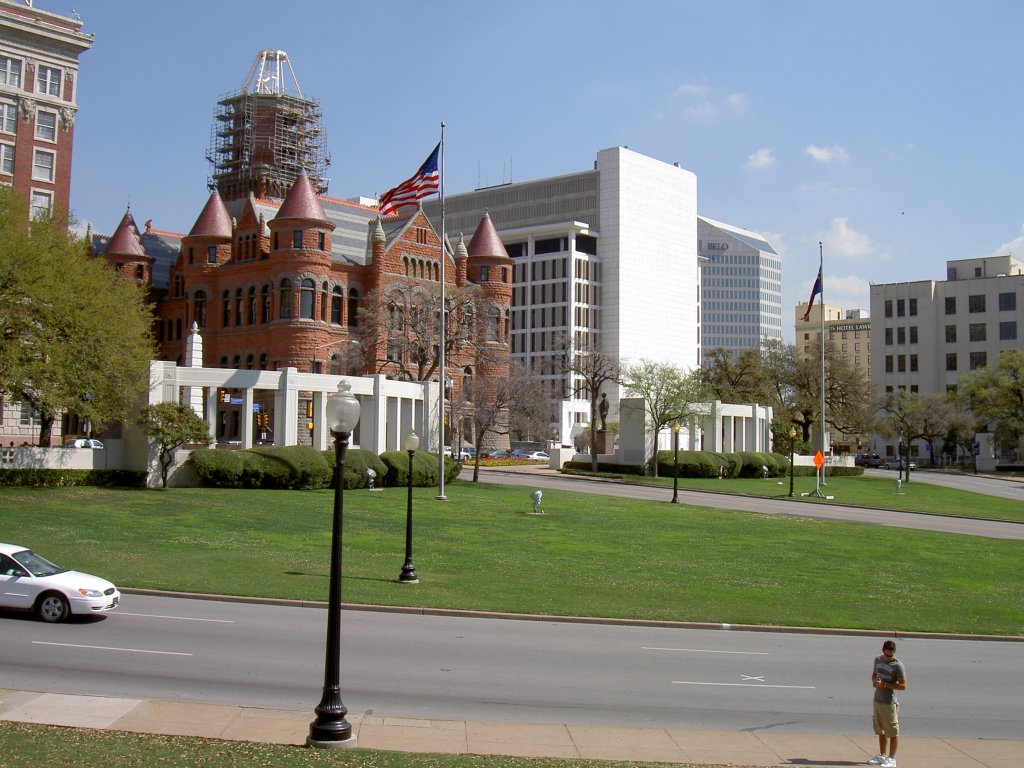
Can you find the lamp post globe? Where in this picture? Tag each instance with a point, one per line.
(792, 443)
(408, 575)
(675, 463)
(330, 728)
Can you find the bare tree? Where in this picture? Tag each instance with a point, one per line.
(670, 395)
(594, 369)
(910, 416)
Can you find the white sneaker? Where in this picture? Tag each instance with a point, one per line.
(876, 760)
(889, 762)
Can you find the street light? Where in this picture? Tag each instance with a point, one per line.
(792, 442)
(408, 575)
(331, 729)
(675, 463)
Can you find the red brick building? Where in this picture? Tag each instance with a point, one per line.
(39, 54)
(304, 280)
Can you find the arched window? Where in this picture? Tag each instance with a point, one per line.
(224, 361)
(248, 362)
(237, 362)
(265, 304)
(286, 299)
(177, 329)
(336, 306)
(226, 309)
(140, 272)
(324, 303)
(307, 296)
(252, 305)
(238, 306)
(199, 309)
(353, 308)
(263, 361)
(492, 324)
(467, 383)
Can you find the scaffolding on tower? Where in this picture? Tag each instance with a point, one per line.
(266, 133)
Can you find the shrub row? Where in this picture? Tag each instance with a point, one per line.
(52, 478)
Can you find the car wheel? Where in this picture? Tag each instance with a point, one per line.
(52, 608)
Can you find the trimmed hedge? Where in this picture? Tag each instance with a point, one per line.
(52, 478)
(697, 464)
(357, 461)
(289, 467)
(618, 469)
(424, 468)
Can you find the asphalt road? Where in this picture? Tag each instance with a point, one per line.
(818, 510)
(517, 671)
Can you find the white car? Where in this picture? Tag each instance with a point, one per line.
(29, 582)
(464, 455)
(537, 456)
(83, 442)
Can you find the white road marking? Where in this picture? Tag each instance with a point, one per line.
(179, 618)
(751, 677)
(705, 650)
(746, 685)
(108, 648)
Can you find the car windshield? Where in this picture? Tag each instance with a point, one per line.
(36, 565)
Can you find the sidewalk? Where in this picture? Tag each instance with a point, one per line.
(518, 739)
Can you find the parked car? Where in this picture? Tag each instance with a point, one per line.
(869, 460)
(537, 456)
(463, 454)
(897, 463)
(30, 582)
(83, 442)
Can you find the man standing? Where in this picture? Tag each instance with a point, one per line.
(888, 675)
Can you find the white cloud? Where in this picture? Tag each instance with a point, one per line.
(846, 291)
(1013, 247)
(844, 240)
(694, 90)
(829, 155)
(760, 160)
(737, 100)
(702, 111)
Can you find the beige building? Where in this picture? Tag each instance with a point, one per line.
(847, 333)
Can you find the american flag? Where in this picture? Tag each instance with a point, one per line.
(422, 184)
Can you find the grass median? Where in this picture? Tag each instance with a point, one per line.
(587, 556)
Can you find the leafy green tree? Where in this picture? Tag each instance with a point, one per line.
(995, 394)
(74, 334)
(670, 396)
(170, 426)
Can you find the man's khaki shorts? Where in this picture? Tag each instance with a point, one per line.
(887, 719)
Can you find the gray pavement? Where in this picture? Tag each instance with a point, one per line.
(666, 745)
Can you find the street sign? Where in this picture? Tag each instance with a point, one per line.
(819, 460)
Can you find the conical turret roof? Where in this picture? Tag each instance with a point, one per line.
(301, 202)
(485, 240)
(214, 221)
(126, 241)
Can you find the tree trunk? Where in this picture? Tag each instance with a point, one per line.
(45, 430)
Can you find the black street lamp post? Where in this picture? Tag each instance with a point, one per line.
(408, 574)
(675, 463)
(331, 729)
(792, 443)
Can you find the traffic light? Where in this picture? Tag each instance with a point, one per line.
(223, 396)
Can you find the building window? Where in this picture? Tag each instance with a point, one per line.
(42, 202)
(226, 309)
(6, 159)
(976, 303)
(888, 307)
(265, 304)
(46, 125)
(336, 306)
(1008, 331)
(307, 298)
(888, 363)
(951, 361)
(900, 307)
(238, 306)
(913, 363)
(950, 334)
(297, 238)
(913, 334)
(252, 306)
(901, 363)
(888, 336)
(321, 241)
(901, 335)
(912, 303)
(484, 274)
(951, 305)
(10, 72)
(8, 118)
(1007, 302)
(42, 165)
(286, 299)
(978, 360)
(199, 309)
(353, 308)
(977, 332)
(211, 254)
(48, 80)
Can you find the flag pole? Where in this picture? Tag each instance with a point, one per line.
(821, 311)
(442, 378)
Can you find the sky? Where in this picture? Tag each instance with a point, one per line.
(889, 131)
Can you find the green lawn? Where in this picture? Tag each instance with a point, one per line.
(872, 492)
(589, 556)
(24, 745)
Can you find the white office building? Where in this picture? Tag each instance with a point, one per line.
(741, 287)
(607, 255)
(928, 333)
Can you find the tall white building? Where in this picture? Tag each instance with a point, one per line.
(928, 333)
(741, 287)
(607, 255)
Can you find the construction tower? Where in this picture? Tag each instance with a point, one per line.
(267, 133)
